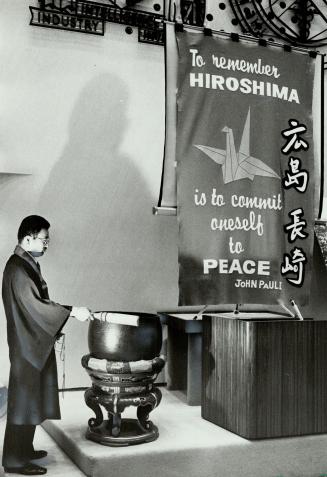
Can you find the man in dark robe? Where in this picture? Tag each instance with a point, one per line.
(34, 322)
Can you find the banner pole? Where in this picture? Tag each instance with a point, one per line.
(248, 38)
(322, 138)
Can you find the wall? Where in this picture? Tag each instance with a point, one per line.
(85, 116)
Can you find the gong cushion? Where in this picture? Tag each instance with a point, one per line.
(124, 367)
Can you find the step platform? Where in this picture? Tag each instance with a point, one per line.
(187, 446)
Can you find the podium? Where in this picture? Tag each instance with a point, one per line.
(264, 378)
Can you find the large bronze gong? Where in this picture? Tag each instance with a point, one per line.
(117, 342)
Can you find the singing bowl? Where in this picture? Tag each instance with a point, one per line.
(118, 342)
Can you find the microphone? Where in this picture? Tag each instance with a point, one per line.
(296, 310)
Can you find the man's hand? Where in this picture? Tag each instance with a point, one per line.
(81, 313)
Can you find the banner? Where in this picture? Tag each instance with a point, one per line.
(245, 171)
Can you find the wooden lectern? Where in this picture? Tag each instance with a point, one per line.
(265, 378)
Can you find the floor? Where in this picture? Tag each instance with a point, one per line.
(187, 446)
(57, 462)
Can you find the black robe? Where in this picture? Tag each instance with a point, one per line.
(33, 321)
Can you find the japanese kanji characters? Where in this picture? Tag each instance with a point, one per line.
(296, 177)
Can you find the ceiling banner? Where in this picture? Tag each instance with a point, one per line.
(245, 171)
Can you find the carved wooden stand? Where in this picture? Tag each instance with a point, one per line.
(117, 431)
(115, 391)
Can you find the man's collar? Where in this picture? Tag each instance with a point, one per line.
(26, 256)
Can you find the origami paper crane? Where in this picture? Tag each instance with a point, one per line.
(238, 165)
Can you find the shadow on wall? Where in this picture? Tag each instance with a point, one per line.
(114, 253)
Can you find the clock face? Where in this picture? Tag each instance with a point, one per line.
(299, 22)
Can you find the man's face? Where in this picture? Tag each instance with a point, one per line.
(38, 244)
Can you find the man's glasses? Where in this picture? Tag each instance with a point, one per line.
(45, 241)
